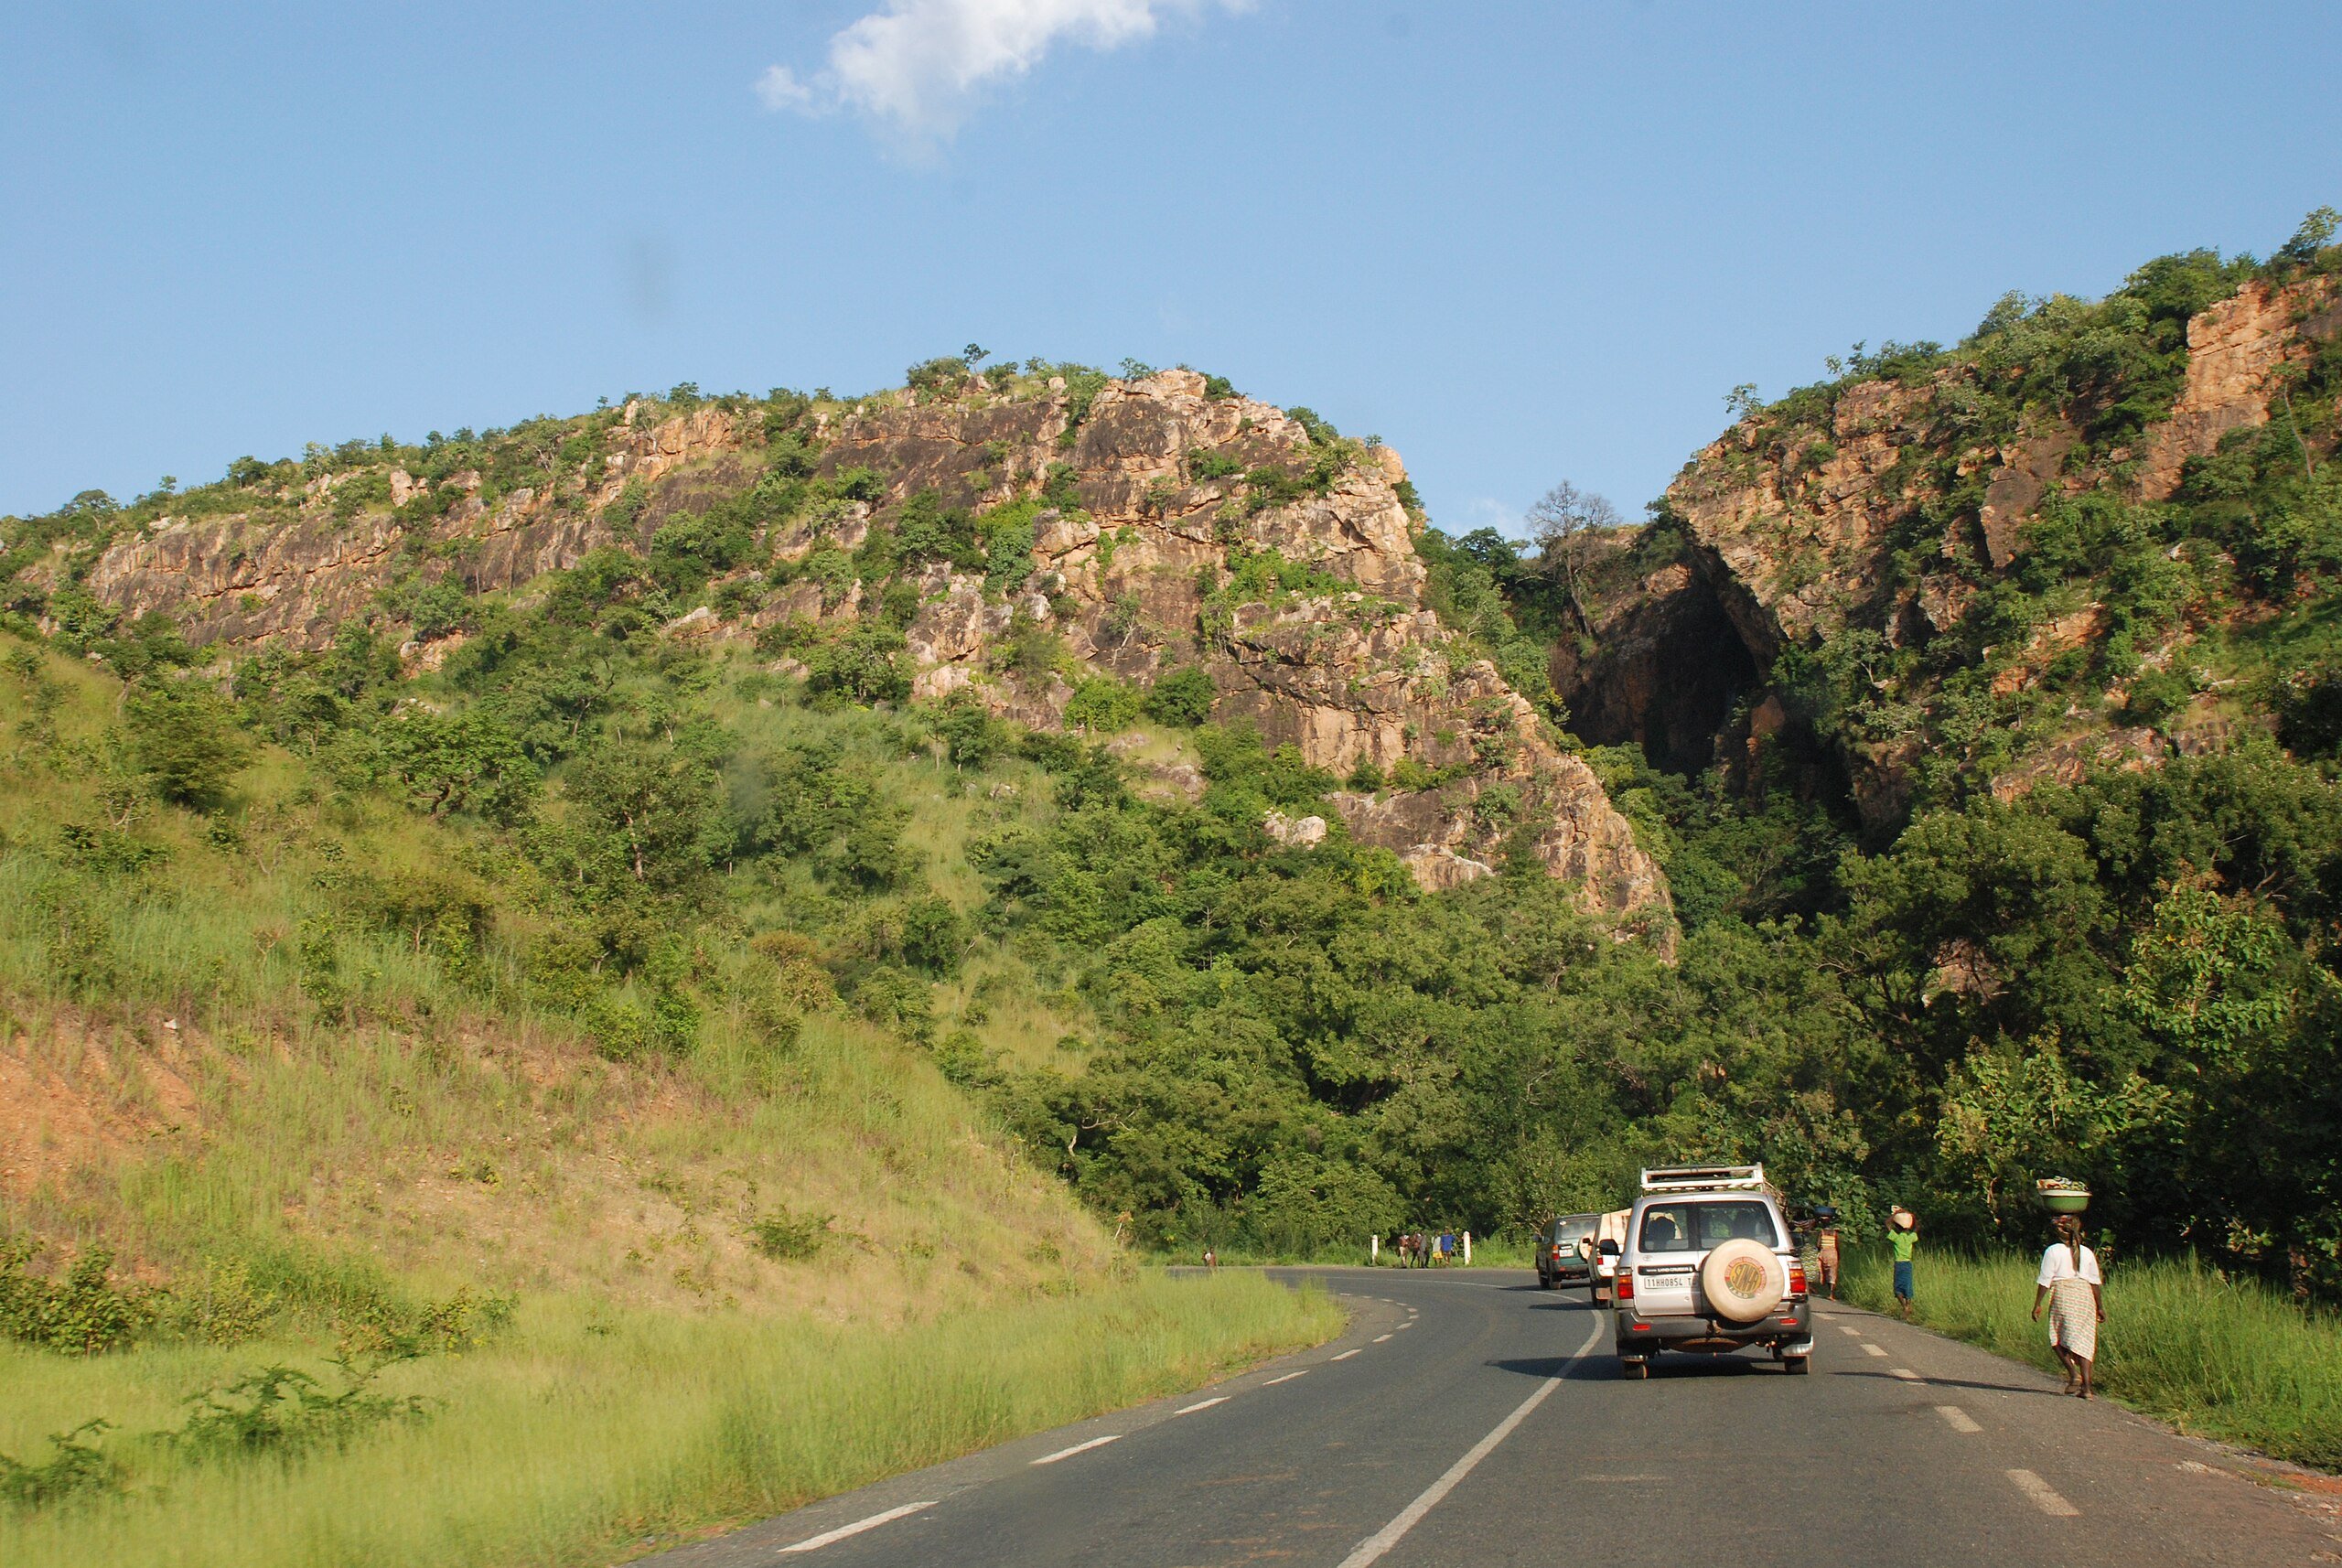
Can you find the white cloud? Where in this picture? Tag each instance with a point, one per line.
(919, 65)
(778, 88)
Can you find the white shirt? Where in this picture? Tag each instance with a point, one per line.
(2058, 1263)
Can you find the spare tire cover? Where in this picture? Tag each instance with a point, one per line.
(1742, 1280)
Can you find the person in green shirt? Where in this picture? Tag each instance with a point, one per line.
(1903, 1236)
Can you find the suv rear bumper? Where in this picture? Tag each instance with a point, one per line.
(1789, 1329)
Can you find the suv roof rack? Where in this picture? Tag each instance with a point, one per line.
(1704, 1179)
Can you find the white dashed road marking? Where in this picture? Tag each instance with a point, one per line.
(2043, 1496)
(1906, 1373)
(1202, 1404)
(1960, 1419)
(1408, 1324)
(1871, 1348)
(814, 1543)
(1850, 1329)
(1380, 1337)
(1079, 1448)
(1272, 1382)
(1390, 1535)
(1348, 1354)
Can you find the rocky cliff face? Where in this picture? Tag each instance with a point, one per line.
(1157, 493)
(1878, 512)
(247, 578)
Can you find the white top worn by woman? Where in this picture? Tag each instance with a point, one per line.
(2058, 1263)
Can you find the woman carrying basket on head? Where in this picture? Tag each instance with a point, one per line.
(2070, 1285)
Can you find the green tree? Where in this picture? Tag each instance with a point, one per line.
(185, 738)
(661, 815)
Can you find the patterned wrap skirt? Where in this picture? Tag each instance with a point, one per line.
(2073, 1318)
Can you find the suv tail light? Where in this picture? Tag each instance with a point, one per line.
(1626, 1285)
(1796, 1277)
(1557, 1254)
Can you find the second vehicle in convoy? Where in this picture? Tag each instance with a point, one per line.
(1561, 1260)
(1708, 1266)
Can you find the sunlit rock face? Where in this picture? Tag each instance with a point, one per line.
(1131, 566)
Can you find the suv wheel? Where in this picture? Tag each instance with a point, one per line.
(1798, 1366)
(1636, 1370)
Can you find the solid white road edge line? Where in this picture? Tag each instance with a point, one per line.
(1202, 1404)
(1347, 1354)
(1079, 1448)
(1390, 1535)
(814, 1543)
(1960, 1419)
(1272, 1382)
(2043, 1496)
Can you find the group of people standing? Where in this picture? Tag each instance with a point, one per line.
(1419, 1250)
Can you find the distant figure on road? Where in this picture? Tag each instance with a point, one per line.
(1826, 1241)
(1903, 1236)
(2069, 1283)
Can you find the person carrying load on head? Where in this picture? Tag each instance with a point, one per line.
(1903, 1236)
(2070, 1285)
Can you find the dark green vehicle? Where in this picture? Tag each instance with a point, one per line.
(1565, 1252)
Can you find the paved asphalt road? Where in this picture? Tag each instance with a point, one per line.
(1467, 1417)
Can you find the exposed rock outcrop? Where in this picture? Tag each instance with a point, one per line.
(1129, 566)
(1362, 674)
(1881, 516)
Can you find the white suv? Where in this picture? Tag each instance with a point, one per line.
(1708, 1266)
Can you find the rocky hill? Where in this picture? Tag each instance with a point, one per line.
(2054, 547)
(1025, 533)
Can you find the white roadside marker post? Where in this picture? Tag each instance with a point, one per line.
(1467, 1249)
(1374, 1250)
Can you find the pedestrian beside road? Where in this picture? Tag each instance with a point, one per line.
(2069, 1286)
(1211, 1259)
(1827, 1245)
(1903, 1236)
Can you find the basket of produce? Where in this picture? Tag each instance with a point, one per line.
(2061, 1195)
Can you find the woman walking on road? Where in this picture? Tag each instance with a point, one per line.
(2069, 1284)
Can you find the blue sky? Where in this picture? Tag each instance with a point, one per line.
(1521, 242)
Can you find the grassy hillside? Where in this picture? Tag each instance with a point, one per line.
(313, 1019)
(494, 1203)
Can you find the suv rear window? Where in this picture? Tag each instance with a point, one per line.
(1573, 1230)
(1696, 1227)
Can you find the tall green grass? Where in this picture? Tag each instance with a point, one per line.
(2217, 1357)
(584, 1438)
